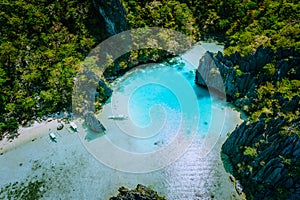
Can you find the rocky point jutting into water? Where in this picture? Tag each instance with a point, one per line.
(242, 75)
(265, 151)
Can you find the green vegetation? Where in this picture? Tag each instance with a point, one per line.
(247, 24)
(32, 190)
(41, 46)
(172, 14)
(269, 99)
(270, 23)
(250, 151)
(43, 43)
(269, 70)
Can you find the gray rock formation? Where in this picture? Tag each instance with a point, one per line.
(265, 155)
(208, 74)
(276, 163)
(93, 123)
(234, 84)
(113, 13)
(242, 75)
(140, 193)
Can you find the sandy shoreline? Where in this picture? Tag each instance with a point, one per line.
(40, 129)
(72, 172)
(28, 134)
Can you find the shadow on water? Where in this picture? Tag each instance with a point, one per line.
(90, 135)
(226, 163)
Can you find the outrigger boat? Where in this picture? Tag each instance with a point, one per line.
(73, 126)
(118, 117)
(52, 136)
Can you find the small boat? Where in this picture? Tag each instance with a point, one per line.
(73, 126)
(60, 126)
(118, 117)
(52, 136)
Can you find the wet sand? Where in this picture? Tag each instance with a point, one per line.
(27, 134)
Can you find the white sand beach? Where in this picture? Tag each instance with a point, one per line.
(27, 134)
(40, 129)
(69, 171)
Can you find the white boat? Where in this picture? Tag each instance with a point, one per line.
(52, 136)
(120, 117)
(73, 126)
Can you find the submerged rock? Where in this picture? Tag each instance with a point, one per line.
(238, 187)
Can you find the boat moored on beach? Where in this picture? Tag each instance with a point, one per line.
(73, 126)
(52, 136)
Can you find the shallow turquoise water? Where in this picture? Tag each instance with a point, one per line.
(161, 100)
(142, 100)
(165, 109)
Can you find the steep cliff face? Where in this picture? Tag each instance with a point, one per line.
(266, 161)
(242, 76)
(113, 14)
(208, 74)
(265, 151)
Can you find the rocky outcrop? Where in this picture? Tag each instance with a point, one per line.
(242, 75)
(264, 153)
(85, 93)
(235, 82)
(272, 168)
(208, 74)
(93, 123)
(113, 14)
(140, 193)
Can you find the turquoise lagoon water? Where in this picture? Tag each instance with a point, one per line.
(161, 102)
(171, 141)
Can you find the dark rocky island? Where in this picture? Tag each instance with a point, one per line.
(140, 192)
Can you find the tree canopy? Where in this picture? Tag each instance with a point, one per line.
(41, 46)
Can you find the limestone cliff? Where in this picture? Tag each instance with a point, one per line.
(243, 75)
(265, 151)
(266, 162)
(93, 123)
(113, 14)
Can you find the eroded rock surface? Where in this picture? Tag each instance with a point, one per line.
(140, 193)
(264, 152)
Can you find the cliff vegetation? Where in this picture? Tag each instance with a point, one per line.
(43, 44)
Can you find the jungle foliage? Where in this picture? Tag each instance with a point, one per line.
(246, 24)
(42, 44)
